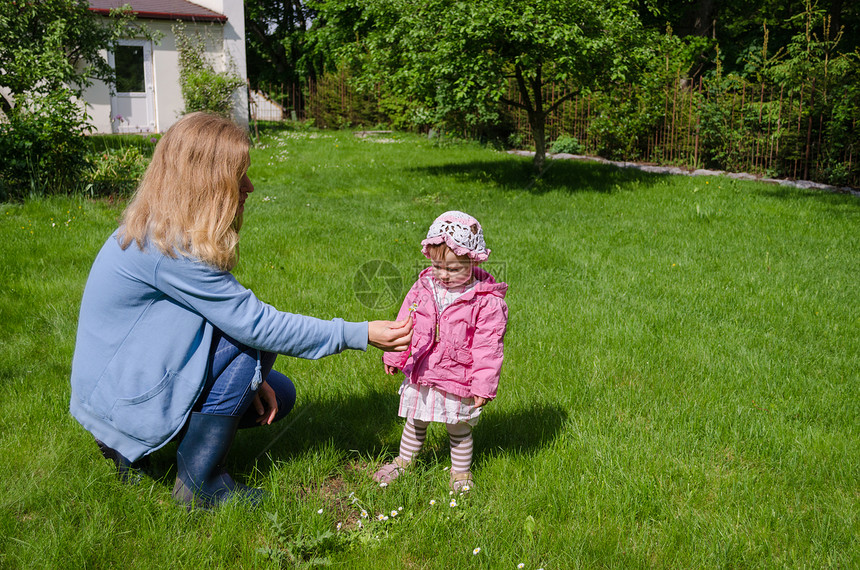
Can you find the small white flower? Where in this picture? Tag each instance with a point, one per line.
(359, 524)
(319, 512)
(477, 550)
(339, 525)
(432, 501)
(399, 509)
(380, 517)
(393, 513)
(521, 565)
(453, 503)
(451, 493)
(383, 484)
(363, 514)
(466, 488)
(385, 518)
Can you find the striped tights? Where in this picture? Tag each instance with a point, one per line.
(459, 436)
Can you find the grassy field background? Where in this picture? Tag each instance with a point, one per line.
(681, 384)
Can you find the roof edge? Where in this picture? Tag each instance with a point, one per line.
(167, 16)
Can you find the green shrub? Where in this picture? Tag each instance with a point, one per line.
(42, 148)
(116, 171)
(203, 88)
(566, 144)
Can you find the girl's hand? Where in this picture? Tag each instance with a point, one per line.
(390, 336)
(480, 402)
(266, 404)
(391, 370)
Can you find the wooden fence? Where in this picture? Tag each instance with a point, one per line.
(744, 127)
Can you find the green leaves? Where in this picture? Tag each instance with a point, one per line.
(460, 55)
(203, 88)
(50, 53)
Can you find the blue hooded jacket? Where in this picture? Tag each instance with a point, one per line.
(144, 334)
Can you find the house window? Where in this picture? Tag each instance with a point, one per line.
(129, 69)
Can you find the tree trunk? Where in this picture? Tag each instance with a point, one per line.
(537, 121)
(698, 18)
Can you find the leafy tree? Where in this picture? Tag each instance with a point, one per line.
(466, 57)
(280, 49)
(49, 54)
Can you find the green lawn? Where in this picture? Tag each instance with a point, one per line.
(681, 385)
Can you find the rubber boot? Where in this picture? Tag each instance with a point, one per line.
(201, 480)
(126, 471)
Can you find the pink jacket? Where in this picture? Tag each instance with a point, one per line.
(466, 358)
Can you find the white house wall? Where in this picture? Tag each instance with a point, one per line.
(168, 100)
(234, 47)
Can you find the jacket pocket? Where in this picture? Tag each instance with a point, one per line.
(460, 355)
(154, 415)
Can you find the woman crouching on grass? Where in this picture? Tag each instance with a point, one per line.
(169, 344)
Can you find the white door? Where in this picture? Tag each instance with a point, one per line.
(133, 103)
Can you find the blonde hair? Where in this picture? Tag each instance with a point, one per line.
(437, 251)
(187, 201)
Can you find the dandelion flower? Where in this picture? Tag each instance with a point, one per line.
(477, 550)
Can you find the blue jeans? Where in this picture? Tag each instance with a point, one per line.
(229, 389)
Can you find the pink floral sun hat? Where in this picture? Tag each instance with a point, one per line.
(461, 232)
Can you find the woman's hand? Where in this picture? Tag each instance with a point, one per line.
(266, 404)
(390, 336)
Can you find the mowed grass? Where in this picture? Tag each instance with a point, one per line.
(680, 389)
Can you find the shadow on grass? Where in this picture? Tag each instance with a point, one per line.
(351, 422)
(523, 431)
(840, 202)
(369, 425)
(559, 175)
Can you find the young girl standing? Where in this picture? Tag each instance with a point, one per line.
(455, 357)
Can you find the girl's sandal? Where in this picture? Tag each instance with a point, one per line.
(461, 482)
(390, 471)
